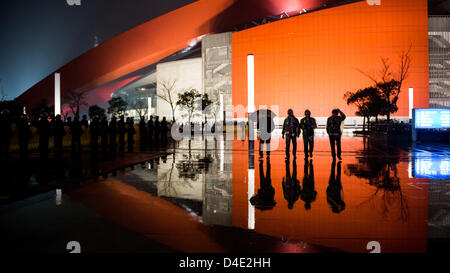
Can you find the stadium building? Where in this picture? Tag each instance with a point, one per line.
(307, 55)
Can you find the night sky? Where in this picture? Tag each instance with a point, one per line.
(38, 37)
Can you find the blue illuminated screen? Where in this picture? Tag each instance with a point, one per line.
(432, 118)
(433, 168)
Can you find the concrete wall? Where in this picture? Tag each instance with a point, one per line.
(216, 54)
(439, 47)
(187, 74)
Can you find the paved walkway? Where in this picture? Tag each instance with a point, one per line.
(195, 198)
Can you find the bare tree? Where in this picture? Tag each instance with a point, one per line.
(138, 105)
(75, 100)
(389, 83)
(169, 95)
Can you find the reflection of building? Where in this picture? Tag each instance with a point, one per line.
(216, 52)
(307, 55)
(218, 199)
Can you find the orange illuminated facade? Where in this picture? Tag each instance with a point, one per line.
(311, 61)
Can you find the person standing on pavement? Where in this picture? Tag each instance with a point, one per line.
(59, 133)
(157, 131)
(104, 137)
(151, 129)
(24, 135)
(142, 134)
(44, 135)
(334, 132)
(291, 130)
(95, 132)
(130, 133)
(164, 130)
(76, 131)
(121, 129)
(308, 124)
(113, 137)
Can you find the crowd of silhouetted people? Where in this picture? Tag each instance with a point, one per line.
(107, 138)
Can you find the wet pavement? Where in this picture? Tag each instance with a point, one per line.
(215, 196)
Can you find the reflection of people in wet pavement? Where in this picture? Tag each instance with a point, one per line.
(291, 185)
(264, 199)
(308, 193)
(335, 194)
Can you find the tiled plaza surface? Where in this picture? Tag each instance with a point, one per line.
(195, 198)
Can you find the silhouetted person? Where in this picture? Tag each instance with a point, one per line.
(151, 130)
(5, 134)
(121, 129)
(264, 199)
(58, 136)
(143, 134)
(104, 137)
(76, 132)
(291, 130)
(44, 135)
(291, 185)
(308, 193)
(157, 129)
(265, 125)
(84, 122)
(24, 135)
(69, 122)
(95, 133)
(113, 137)
(130, 133)
(164, 130)
(334, 131)
(308, 124)
(335, 193)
